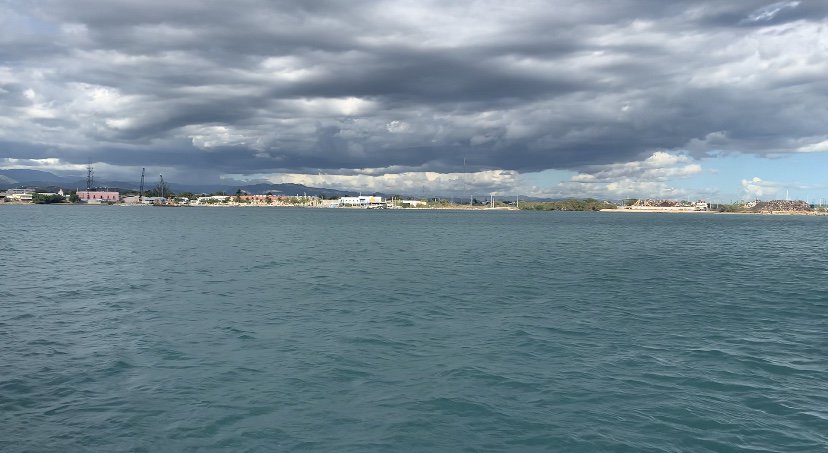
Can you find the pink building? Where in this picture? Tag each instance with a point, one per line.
(100, 197)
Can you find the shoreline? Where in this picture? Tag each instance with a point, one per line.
(767, 213)
(448, 208)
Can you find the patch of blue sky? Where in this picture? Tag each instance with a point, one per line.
(546, 178)
(800, 175)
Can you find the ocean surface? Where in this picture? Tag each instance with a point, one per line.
(279, 329)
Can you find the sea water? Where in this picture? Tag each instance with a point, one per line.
(278, 329)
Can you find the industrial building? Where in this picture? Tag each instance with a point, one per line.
(93, 196)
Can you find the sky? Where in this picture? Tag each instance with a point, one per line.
(679, 99)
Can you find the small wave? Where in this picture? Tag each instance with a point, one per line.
(117, 367)
(490, 378)
(23, 316)
(45, 342)
(15, 387)
(377, 341)
(457, 406)
(268, 265)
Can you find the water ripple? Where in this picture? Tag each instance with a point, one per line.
(420, 331)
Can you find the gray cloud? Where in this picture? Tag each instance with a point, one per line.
(284, 86)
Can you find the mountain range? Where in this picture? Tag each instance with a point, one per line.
(45, 180)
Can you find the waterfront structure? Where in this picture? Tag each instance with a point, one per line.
(96, 197)
(260, 199)
(666, 206)
(138, 199)
(26, 195)
(363, 201)
(19, 195)
(155, 200)
(212, 199)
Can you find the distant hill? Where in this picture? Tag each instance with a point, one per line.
(18, 176)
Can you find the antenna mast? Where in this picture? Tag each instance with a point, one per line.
(141, 190)
(89, 176)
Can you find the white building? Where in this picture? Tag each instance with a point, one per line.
(20, 195)
(362, 201)
(155, 200)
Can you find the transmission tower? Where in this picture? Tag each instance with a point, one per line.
(90, 179)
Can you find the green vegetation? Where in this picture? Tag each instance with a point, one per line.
(434, 204)
(39, 198)
(732, 207)
(588, 204)
(162, 189)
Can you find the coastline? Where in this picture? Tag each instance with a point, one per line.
(440, 208)
(768, 213)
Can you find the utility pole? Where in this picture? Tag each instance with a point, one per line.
(162, 185)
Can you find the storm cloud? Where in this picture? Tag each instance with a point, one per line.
(400, 87)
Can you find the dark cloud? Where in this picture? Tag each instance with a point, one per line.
(264, 86)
